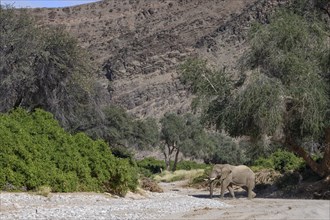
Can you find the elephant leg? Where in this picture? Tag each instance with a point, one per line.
(250, 187)
(224, 185)
(231, 190)
(251, 194)
(212, 184)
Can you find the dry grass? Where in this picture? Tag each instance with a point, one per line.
(150, 185)
(178, 175)
(44, 190)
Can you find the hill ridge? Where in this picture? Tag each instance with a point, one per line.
(145, 41)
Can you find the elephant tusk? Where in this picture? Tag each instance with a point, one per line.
(212, 178)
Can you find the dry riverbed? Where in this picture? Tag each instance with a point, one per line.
(175, 203)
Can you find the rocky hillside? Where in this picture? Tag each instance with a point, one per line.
(145, 40)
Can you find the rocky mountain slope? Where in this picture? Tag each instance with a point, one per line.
(145, 40)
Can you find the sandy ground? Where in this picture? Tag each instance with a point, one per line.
(262, 209)
(257, 208)
(177, 202)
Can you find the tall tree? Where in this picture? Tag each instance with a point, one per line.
(284, 91)
(43, 67)
(181, 134)
(172, 132)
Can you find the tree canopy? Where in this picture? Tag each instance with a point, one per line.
(43, 67)
(185, 134)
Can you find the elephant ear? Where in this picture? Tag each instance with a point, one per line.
(226, 171)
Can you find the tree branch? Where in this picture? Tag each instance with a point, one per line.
(317, 168)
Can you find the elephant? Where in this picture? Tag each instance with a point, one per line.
(230, 175)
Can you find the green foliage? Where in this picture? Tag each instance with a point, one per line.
(292, 49)
(282, 161)
(183, 134)
(192, 140)
(195, 140)
(202, 79)
(149, 166)
(284, 89)
(43, 67)
(285, 161)
(211, 86)
(43, 190)
(288, 87)
(35, 151)
(223, 149)
(123, 178)
(123, 131)
(255, 109)
(119, 126)
(145, 134)
(173, 129)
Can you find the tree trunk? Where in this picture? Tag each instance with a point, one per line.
(167, 155)
(167, 163)
(322, 169)
(326, 156)
(168, 151)
(176, 159)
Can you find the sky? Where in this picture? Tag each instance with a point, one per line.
(42, 3)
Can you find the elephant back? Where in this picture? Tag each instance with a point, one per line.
(242, 175)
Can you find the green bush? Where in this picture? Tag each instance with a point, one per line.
(35, 151)
(264, 163)
(285, 161)
(149, 166)
(281, 160)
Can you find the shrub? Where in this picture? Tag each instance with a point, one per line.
(281, 160)
(150, 165)
(262, 163)
(286, 161)
(35, 151)
(44, 190)
(150, 185)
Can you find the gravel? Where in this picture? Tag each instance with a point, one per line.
(100, 206)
